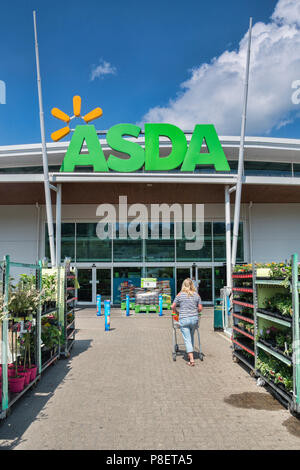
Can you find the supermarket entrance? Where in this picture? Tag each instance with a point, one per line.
(93, 280)
(210, 280)
(109, 280)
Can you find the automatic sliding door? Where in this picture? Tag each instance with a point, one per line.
(103, 283)
(181, 275)
(85, 279)
(205, 284)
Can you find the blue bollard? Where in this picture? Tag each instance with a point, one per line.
(160, 303)
(127, 305)
(98, 305)
(107, 314)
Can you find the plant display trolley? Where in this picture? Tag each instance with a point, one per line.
(51, 316)
(266, 327)
(67, 304)
(243, 316)
(33, 319)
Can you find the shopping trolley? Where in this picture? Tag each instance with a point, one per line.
(176, 326)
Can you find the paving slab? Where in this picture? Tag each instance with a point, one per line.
(122, 390)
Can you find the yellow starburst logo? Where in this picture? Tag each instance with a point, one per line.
(61, 133)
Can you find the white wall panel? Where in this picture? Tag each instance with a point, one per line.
(275, 231)
(18, 235)
(18, 232)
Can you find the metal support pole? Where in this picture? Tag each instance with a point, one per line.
(250, 232)
(238, 194)
(38, 231)
(296, 333)
(58, 225)
(228, 237)
(38, 325)
(44, 150)
(4, 348)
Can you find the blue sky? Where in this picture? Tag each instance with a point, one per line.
(153, 48)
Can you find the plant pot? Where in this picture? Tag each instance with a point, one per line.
(33, 372)
(16, 384)
(11, 370)
(27, 373)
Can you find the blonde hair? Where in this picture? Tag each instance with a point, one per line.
(188, 287)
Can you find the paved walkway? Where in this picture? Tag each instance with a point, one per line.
(122, 390)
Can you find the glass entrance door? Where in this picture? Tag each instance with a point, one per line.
(93, 281)
(181, 275)
(204, 277)
(103, 283)
(85, 279)
(220, 280)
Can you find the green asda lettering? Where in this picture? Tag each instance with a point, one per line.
(183, 156)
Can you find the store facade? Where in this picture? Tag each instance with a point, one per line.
(104, 264)
(269, 223)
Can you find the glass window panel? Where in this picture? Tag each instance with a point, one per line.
(205, 284)
(28, 169)
(204, 254)
(163, 274)
(127, 250)
(220, 242)
(181, 275)
(220, 279)
(267, 168)
(88, 246)
(240, 243)
(124, 279)
(160, 249)
(85, 293)
(296, 167)
(160, 272)
(67, 241)
(103, 283)
(233, 164)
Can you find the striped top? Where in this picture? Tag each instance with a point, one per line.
(188, 304)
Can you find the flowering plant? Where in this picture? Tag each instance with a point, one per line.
(23, 301)
(280, 303)
(50, 335)
(275, 370)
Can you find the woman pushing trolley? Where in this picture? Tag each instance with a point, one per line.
(188, 302)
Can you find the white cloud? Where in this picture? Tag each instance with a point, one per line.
(213, 93)
(104, 68)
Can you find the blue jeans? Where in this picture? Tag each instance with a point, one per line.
(187, 328)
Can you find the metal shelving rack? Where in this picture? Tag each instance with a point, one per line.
(68, 289)
(55, 356)
(242, 340)
(266, 288)
(8, 398)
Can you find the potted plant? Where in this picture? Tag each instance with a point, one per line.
(50, 337)
(49, 286)
(23, 302)
(26, 341)
(16, 380)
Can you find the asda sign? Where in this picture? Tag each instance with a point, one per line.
(183, 156)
